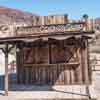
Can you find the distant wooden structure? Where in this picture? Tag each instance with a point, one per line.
(52, 51)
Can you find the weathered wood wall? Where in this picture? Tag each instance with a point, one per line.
(49, 20)
(54, 63)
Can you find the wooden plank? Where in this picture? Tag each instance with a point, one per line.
(55, 74)
(35, 74)
(72, 76)
(47, 75)
(58, 71)
(72, 64)
(32, 76)
(63, 68)
(26, 76)
(79, 70)
(61, 74)
(44, 75)
(65, 75)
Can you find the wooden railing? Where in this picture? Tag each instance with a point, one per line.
(73, 64)
(59, 74)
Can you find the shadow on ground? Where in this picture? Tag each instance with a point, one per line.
(13, 86)
(12, 78)
(1, 82)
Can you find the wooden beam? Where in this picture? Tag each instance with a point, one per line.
(11, 48)
(3, 50)
(14, 40)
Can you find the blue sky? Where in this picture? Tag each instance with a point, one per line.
(74, 8)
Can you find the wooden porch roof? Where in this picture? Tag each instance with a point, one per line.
(32, 38)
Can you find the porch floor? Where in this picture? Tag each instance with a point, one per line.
(71, 92)
(27, 92)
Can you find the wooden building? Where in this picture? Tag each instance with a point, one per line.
(53, 61)
(54, 51)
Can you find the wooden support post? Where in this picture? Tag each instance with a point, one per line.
(87, 70)
(6, 71)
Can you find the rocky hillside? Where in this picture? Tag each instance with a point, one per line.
(8, 15)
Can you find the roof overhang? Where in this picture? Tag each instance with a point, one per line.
(32, 38)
